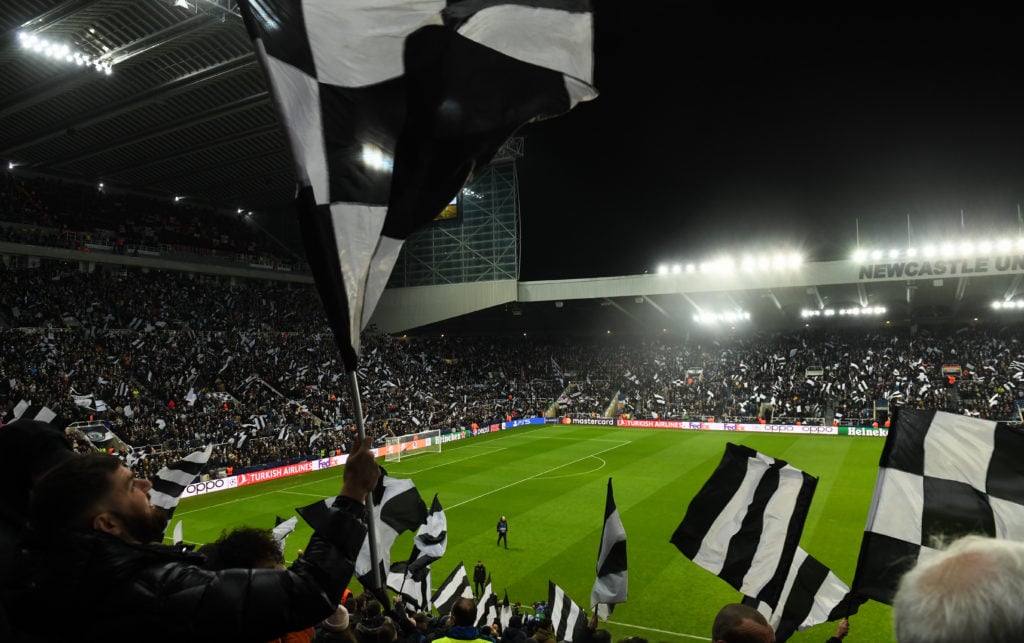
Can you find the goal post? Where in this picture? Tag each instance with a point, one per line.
(404, 446)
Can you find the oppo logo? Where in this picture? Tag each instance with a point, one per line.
(204, 487)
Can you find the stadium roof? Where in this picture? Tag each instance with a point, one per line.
(184, 110)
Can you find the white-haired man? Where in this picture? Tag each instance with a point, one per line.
(969, 591)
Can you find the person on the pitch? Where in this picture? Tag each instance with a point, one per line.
(503, 531)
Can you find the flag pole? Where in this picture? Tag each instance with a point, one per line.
(357, 407)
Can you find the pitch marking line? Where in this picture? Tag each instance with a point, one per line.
(444, 464)
(581, 473)
(652, 629)
(536, 475)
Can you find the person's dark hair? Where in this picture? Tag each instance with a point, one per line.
(68, 496)
(28, 449)
(600, 636)
(464, 612)
(728, 623)
(243, 547)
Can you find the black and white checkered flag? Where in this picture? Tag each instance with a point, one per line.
(25, 410)
(360, 89)
(944, 475)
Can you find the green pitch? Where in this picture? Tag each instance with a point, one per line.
(551, 483)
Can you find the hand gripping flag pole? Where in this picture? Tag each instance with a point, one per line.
(357, 406)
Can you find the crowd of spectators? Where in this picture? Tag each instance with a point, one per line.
(170, 362)
(49, 212)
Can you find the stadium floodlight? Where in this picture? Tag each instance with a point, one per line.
(876, 254)
(62, 52)
(984, 246)
(860, 255)
(966, 248)
(749, 264)
(10, 165)
(691, 267)
(677, 268)
(894, 253)
(794, 260)
(911, 252)
(1004, 244)
(374, 158)
(929, 250)
(1020, 243)
(829, 312)
(663, 269)
(948, 249)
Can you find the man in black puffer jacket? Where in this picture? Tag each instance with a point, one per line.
(89, 571)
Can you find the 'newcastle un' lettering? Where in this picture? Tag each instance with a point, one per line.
(942, 267)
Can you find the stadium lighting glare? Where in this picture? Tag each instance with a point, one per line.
(62, 52)
(10, 165)
(748, 264)
(795, 261)
(876, 254)
(1004, 244)
(966, 247)
(911, 252)
(677, 269)
(729, 317)
(1008, 305)
(178, 198)
(662, 269)
(844, 312)
(860, 255)
(375, 158)
(948, 249)
(929, 250)
(984, 245)
(894, 253)
(1020, 244)
(691, 268)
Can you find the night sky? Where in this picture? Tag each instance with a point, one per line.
(722, 129)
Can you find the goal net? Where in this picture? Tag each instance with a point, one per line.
(404, 446)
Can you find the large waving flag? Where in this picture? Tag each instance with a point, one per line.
(940, 474)
(811, 595)
(411, 578)
(567, 618)
(612, 582)
(430, 542)
(171, 480)
(397, 508)
(744, 524)
(454, 587)
(389, 106)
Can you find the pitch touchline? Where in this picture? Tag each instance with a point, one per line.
(536, 475)
(652, 629)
